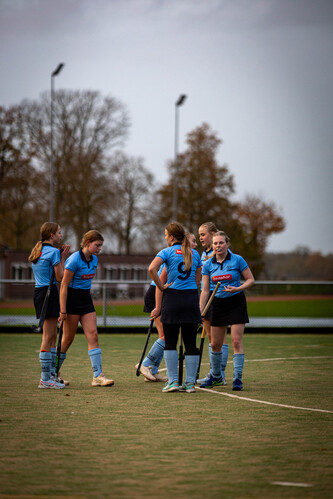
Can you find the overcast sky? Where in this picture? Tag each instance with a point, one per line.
(259, 72)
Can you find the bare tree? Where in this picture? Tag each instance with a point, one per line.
(86, 129)
(22, 192)
(132, 187)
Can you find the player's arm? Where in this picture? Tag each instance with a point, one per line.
(205, 292)
(248, 282)
(153, 272)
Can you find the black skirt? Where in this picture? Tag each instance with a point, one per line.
(79, 302)
(228, 311)
(53, 308)
(180, 307)
(149, 303)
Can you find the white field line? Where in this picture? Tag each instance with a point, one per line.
(285, 406)
(292, 484)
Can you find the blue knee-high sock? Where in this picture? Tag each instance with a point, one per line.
(61, 359)
(216, 364)
(210, 359)
(95, 355)
(224, 360)
(238, 365)
(155, 355)
(171, 360)
(45, 359)
(53, 363)
(191, 366)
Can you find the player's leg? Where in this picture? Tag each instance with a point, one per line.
(189, 333)
(217, 336)
(155, 355)
(171, 332)
(89, 325)
(224, 357)
(237, 332)
(45, 355)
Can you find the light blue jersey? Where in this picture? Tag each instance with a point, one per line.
(174, 264)
(228, 273)
(43, 268)
(84, 271)
(205, 255)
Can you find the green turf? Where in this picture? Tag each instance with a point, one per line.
(133, 441)
(297, 308)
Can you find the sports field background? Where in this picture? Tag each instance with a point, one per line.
(273, 440)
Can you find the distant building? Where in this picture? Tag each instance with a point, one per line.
(129, 275)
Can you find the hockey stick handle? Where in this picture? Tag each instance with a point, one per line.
(145, 347)
(57, 364)
(211, 298)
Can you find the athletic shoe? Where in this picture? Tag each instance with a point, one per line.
(237, 385)
(212, 382)
(51, 384)
(160, 377)
(172, 387)
(102, 380)
(203, 380)
(59, 380)
(224, 382)
(187, 387)
(146, 372)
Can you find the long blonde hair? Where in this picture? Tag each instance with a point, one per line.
(46, 230)
(91, 236)
(176, 230)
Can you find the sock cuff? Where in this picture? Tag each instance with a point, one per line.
(161, 342)
(53, 350)
(94, 351)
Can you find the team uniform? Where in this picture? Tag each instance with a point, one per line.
(180, 309)
(227, 309)
(79, 302)
(43, 269)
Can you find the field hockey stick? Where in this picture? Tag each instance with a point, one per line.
(39, 328)
(145, 347)
(181, 359)
(203, 334)
(57, 364)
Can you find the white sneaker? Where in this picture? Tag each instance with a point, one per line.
(59, 380)
(160, 377)
(102, 380)
(203, 380)
(146, 372)
(51, 384)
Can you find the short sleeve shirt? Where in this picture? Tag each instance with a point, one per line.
(43, 268)
(84, 271)
(228, 273)
(174, 264)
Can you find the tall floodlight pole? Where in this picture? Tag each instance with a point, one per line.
(178, 103)
(53, 75)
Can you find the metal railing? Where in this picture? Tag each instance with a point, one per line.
(107, 292)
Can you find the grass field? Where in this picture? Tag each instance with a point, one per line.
(273, 440)
(273, 308)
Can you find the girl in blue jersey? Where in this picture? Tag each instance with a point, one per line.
(45, 259)
(76, 304)
(180, 305)
(206, 232)
(228, 307)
